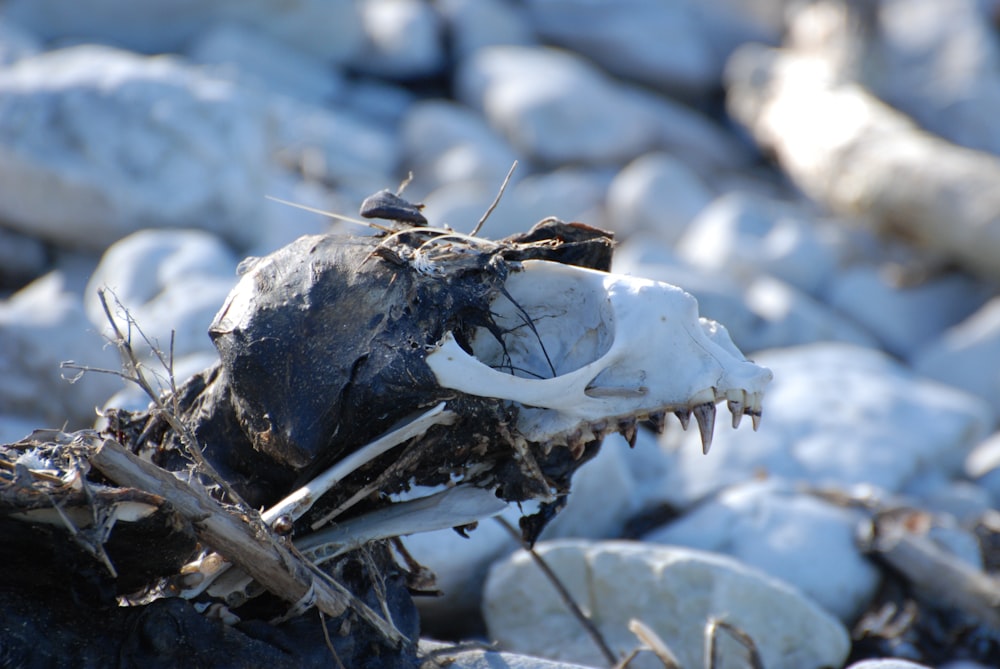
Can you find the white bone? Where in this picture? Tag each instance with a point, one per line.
(619, 346)
(300, 501)
(453, 507)
(461, 505)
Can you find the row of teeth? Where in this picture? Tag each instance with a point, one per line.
(702, 405)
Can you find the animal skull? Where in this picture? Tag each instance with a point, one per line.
(585, 353)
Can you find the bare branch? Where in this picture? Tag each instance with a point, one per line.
(133, 372)
(653, 641)
(258, 554)
(496, 201)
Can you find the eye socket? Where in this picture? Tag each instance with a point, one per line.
(554, 319)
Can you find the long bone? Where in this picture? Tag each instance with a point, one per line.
(453, 507)
(209, 567)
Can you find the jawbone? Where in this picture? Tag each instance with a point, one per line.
(585, 353)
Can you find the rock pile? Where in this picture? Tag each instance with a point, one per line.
(821, 176)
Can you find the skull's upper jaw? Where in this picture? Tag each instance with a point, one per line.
(586, 353)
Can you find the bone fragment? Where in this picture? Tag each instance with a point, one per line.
(853, 153)
(268, 562)
(454, 507)
(300, 501)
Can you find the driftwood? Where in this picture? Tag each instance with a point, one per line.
(270, 563)
(937, 576)
(857, 156)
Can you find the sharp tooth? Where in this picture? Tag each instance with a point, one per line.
(576, 446)
(684, 416)
(735, 401)
(705, 415)
(627, 429)
(547, 446)
(658, 419)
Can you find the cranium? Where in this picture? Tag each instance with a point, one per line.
(531, 343)
(585, 353)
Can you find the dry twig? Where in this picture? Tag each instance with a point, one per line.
(564, 594)
(270, 563)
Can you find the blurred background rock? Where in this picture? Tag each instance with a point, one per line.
(821, 175)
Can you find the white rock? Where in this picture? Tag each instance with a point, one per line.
(964, 501)
(256, 58)
(557, 107)
(16, 43)
(327, 29)
(286, 223)
(446, 143)
(378, 102)
(887, 663)
(460, 565)
(746, 235)
(603, 496)
(835, 415)
(96, 143)
(767, 313)
(794, 537)
(437, 654)
(661, 44)
(335, 147)
(402, 39)
(965, 354)
(940, 65)
(41, 326)
(734, 22)
(169, 281)
(674, 591)
(789, 317)
(658, 194)
(694, 138)
(904, 319)
(474, 24)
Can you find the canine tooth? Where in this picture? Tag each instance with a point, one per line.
(627, 428)
(705, 415)
(755, 417)
(735, 401)
(658, 420)
(576, 446)
(684, 416)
